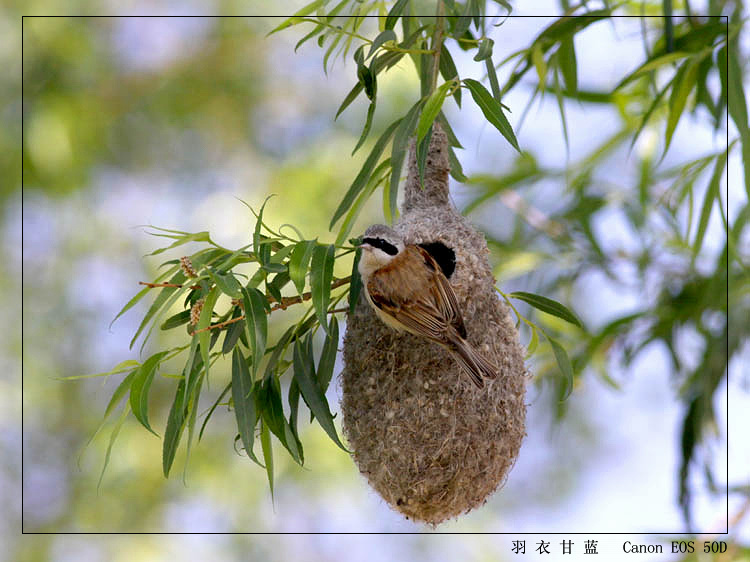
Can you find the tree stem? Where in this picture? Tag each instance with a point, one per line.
(437, 44)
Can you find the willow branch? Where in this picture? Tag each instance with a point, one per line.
(285, 302)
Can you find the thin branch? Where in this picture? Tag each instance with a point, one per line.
(175, 285)
(437, 46)
(285, 302)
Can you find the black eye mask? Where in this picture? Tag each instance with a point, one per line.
(381, 244)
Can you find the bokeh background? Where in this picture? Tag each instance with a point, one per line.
(167, 121)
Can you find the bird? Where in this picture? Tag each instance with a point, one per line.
(407, 289)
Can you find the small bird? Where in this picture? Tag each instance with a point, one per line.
(408, 290)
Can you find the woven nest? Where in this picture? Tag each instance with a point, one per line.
(432, 444)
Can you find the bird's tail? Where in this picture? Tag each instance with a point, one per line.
(476, 366)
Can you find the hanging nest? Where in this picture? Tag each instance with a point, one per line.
(431, 443)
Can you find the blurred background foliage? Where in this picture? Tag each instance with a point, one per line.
(131, 121)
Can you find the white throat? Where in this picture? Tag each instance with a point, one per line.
(371, 260)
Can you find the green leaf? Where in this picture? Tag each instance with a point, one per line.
(463, 22)
(432, 107)
(159, 312)
(394, 13)
(368, 81)
(293, 398)
(384, 36)
(449, 72)
(398, 151)
(328, 356)
(299, 261)
(350, 97)
(355, 285)
(227, 283)
(737, 106)
(177, 320)
(533, 342)
(652, 64)
(492, 110)
(278, 283)
(295, 19)
(712, 195)
(425, 73)
(227, 388)
(564, 26)
(233, 333)
(192, 368)
(193, 409)
(722, 63)
(505, 4)
(570, 25)
(159, 301)
(456, 169)
(203, 322)
(121, 367)
(278, 351)
(272, 267)
(265, 443)
(485, 49)
(448, 130)
(384, 61)
(563, 361)
(195, 237)
(366, 128)
(119, 393)
(492, 75)
(131, 303)
(116, 398)
(537, 57)
(140, 387)
(244, 402)
(364, 175)
(112, 438)
(561, 104)
(315, 31)
(268, 400)
(378, 176)
(568, 65)
(737, 102)
(256, 323)
(683, 85)
(649, 112)
(312, 393)
(173, 431)
(321, 275)
(549, 306)
(262, 251)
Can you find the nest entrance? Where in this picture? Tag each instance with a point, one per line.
(444, 256)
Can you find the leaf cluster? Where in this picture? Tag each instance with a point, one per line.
(279, 262)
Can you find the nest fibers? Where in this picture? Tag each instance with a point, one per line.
(431, 443)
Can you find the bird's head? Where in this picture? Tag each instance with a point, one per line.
(380, 244)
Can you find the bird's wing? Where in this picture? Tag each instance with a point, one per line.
(443, 296)
(425, 302)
